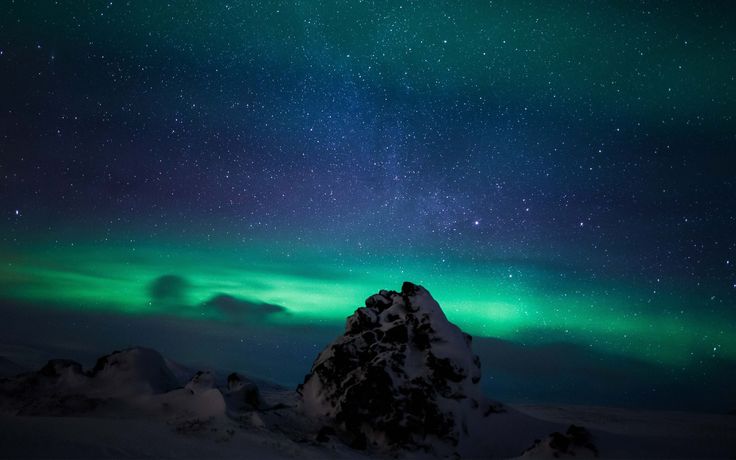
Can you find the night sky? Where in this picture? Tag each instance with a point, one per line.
(560, 175)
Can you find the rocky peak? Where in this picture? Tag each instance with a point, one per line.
(400, 375)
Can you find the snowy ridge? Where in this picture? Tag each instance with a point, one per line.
(131, 382)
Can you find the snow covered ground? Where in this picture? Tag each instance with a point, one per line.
(198, 420)
(617, 434)
(136, 403)
(628, 433)
(84, 437)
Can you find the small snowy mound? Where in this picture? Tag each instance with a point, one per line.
(402, 375)
(576, 442)
(201, 382)
(186, 403)
(242, 394)
(133, 371)
(129, 383)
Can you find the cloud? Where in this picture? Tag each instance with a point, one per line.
(169, 290)
(233, 308)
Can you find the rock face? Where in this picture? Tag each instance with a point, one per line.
(402, 375)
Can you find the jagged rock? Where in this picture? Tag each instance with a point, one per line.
(401, 375)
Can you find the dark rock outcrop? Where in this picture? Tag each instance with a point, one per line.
(401, 375)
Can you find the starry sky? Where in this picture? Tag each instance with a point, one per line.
(561, 176)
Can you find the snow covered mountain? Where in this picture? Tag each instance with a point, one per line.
(402, 375)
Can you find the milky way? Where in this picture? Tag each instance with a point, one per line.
(551, 173)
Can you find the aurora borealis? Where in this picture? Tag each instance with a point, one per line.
(553, 174)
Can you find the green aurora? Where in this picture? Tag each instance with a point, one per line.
(516, 301)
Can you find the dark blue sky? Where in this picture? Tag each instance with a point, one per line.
(586, 148)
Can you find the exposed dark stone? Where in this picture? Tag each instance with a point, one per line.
(408, 288)
(422, 336)
(397, 334)
(369, 337)
(579, 436)
(359, 442)
(559, 441)
(378, 302)
(362, 320)
(444, 369)
(476, 361)
(232, 379)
